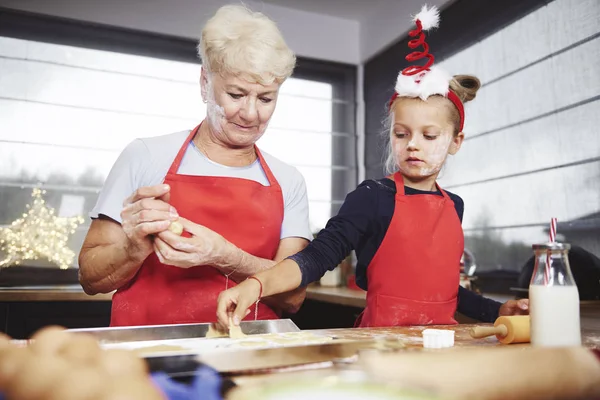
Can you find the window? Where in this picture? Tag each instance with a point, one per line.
(532, 150)
(66, 112)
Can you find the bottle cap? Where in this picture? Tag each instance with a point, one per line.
(551, 246)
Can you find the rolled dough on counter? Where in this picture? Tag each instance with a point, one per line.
(215, 333)
(235, 332)
(289, 339)
(160, 348)
(223, 341)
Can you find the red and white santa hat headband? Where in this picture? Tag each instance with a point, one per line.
(423, 81)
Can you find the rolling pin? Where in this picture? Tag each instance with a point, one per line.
(514, 329)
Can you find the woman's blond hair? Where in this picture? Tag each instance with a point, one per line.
(247, 44)
(464, 86)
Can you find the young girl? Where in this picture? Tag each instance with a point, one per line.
(405, 229)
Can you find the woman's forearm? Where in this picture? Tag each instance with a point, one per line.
(104, 268)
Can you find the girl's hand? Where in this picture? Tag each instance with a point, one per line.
(233, 304)
(514, 307)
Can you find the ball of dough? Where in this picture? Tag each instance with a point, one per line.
(176, 227)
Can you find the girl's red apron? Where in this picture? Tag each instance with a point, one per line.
(414, 276)
(244, 212)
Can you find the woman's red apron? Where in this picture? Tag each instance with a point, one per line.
(244, 212)
(413, 278)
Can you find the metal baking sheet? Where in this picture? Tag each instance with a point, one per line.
(182, 331)
(246, 361)
(153, 348)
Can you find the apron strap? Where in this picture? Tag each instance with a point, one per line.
(177, 162)
(270, 177)
(399, 180)
(442, 191)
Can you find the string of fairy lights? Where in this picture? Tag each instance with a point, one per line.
(38, 234)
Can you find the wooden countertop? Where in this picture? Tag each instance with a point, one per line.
(410, 337)
(590, 310)
(49, 293)
(357, 298)
(337, 295)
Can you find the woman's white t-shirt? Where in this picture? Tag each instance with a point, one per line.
(145, 162)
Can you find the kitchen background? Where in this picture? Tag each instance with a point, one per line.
(81, 79)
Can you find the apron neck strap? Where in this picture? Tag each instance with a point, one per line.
(270, 177)
(177, 162)
(443, 192)
(399, 180)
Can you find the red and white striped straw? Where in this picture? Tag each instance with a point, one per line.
(549, 254)
(553, 230)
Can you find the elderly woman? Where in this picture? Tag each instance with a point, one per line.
(242, 210)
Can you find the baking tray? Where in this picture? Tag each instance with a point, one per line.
(270, 359)
(266, 360)
(183, 364)
(242, 361)
(179, 366)
(182, 331)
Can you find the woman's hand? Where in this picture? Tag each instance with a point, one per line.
(204, 247)
(233, 304)
(514, 307)
(146, 212)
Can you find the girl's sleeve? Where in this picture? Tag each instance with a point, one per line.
(341, 235)
(476, 306)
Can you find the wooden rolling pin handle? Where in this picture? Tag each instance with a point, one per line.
(479, 332)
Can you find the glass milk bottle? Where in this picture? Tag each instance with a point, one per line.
(553, 297)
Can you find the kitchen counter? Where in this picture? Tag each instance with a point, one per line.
(357, 298)
(25, 309)
(325, 302)
(410, 337)
(49, 293)
(334, 295)
(337, 295)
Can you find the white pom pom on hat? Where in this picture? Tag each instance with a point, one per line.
(429, 17)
